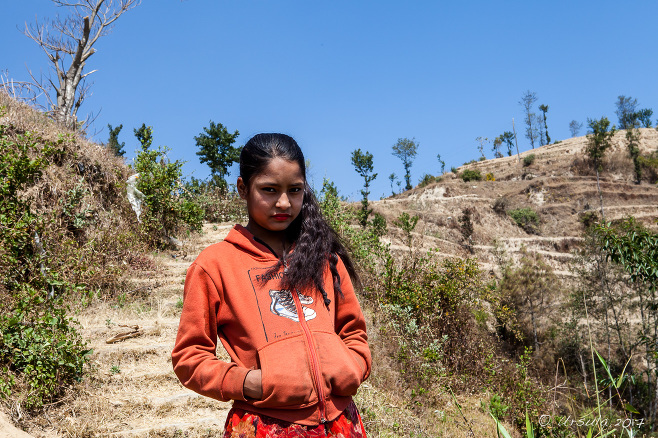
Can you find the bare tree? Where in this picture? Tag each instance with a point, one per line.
(575, 127)
(527, 101)
(68, 43)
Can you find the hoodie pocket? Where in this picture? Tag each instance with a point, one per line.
(341, 372)
(286, 376)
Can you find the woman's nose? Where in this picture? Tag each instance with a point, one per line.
(283, 202)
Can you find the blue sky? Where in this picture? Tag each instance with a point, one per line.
(342, 75)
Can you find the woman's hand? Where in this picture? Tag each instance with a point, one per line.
(253, 386)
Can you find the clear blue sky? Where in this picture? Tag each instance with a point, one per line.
(340, 75)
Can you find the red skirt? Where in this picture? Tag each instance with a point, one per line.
(243, 424)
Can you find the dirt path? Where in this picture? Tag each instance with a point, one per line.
(134, 391)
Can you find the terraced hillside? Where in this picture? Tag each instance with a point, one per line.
(559, 185)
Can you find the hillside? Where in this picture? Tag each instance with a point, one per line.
(130, 389)
(559, 186)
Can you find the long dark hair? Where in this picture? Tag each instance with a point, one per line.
(316, 243)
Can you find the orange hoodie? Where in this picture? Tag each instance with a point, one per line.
(312, 358)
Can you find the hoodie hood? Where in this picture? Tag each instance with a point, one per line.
(242, 239)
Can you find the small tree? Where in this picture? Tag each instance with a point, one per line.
(159, 181)
(575, 127)
(113, 142)
(644, 116)
(544, 110)
(633, 145)
(407, 224)
(392, 178)
(406, 150)
(481, 142)
(144, 135)
(506, 138)
(528, 290)
(541, 136)
(598, 142)
(527, 102)
(497, 143)
(442, 163)
(626, 108)
(362, 162)
(217, 150)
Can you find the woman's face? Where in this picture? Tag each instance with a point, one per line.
(274, 196)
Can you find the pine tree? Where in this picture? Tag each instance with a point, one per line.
(113, 142)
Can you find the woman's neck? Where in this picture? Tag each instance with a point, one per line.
(276, 240)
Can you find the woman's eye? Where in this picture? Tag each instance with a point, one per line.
(295, 190)
(268, 189)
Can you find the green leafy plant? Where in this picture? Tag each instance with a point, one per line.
(471, 175)
(528, 160)
(362, 162)
(407, 224)
(428, 179)
(526, 218)
(40, 343)
(167, 207)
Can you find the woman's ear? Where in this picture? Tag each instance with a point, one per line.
(242, 188)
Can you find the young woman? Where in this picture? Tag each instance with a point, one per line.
(279, 296)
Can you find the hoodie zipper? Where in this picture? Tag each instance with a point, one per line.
(315, 365)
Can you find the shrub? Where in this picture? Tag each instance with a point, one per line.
(528, 160)
(427, 179)
(649, 165)
(588, 218)
(490, 177)
(40, 350)
(500, 205)
(471, 175)
(378, 224)
(526, 218)
(407, 224)
(168, 211)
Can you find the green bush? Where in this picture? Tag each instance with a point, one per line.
(526, 218)
(471, 175)
(428, 179)
(528, 160)
(649, 165)
(378, 224)
(168, 210)
(18, 224)
(40, 349)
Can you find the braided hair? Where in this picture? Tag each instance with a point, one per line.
(316, 243)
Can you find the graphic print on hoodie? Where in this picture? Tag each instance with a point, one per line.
(278, 302)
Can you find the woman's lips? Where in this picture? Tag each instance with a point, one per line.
(281, 217)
